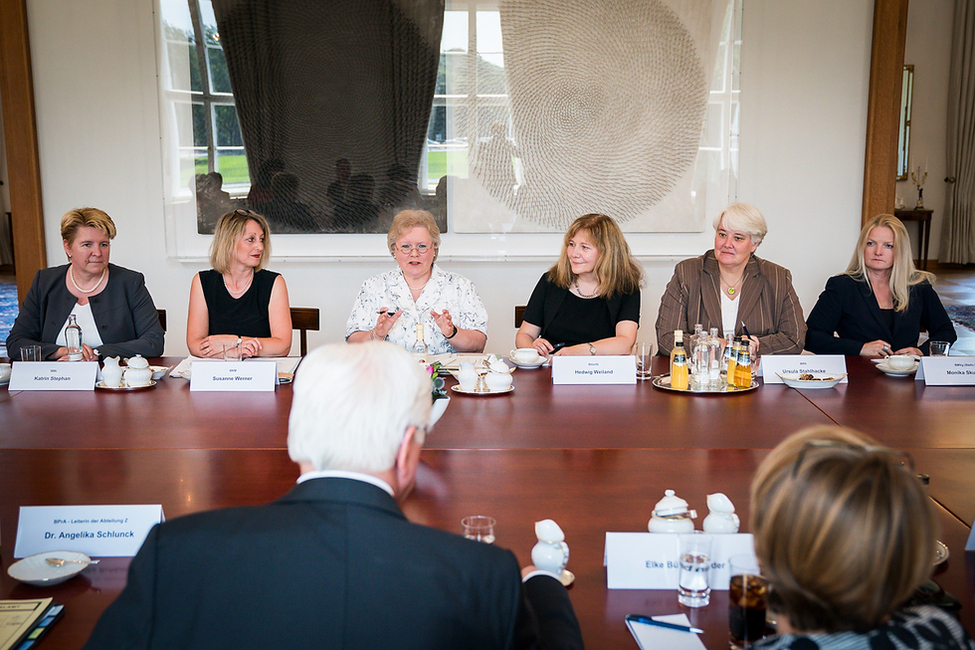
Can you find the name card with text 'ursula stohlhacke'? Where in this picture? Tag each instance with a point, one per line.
(250, 375)
(96, 531)
(651, 560)
(594, 370)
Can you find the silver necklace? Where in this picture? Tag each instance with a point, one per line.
(75, 282)
(575, 285)
(235, 294)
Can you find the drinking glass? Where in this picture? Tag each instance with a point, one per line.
(747, 601)
(939, 348)
(231, 352)
(480, 528)
(31, 353)
(643, 351)
(694, 586)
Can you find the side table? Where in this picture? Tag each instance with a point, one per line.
(923, 217)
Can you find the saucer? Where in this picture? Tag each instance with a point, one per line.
(458, 389)
(825, 381)
(529, 366)
(567, 578)
(940, 552)
(893, 372)
(34, 569)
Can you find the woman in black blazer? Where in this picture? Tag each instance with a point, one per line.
(880, 305)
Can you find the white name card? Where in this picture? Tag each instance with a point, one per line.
(257, 375)
(53, 375)
(796, 364)
(652, 560)
(594, 370)
(97, 531)
(947, 371)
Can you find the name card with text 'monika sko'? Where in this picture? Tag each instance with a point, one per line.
(794, 365)
(53, 375)
(652, 560)
(97, 531)
(255, 375)
(946, 371)
(594, 370)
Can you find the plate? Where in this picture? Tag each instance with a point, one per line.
(940, 552)
(34, 570)
(887, 370)
(663, 383)
(458, 389)
(123, 389)
(825, 381)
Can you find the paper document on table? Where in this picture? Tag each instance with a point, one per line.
(651, 637)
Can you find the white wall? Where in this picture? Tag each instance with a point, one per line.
(928, 48)
(804, 93)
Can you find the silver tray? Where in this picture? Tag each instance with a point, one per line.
(663, 383)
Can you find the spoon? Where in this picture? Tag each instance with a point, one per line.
(56, 561)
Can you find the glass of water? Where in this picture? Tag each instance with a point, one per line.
(480, 528)
(694, 584)
(643, 350)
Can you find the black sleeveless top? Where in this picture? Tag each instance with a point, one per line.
(244, 316)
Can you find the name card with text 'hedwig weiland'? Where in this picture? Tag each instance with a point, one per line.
(256, 375)
(796, 364)
(53, 375)
(594, 370)
(652, 560)
(97, 531)
(948, 371)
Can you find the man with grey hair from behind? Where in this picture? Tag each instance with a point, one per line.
(334, 563)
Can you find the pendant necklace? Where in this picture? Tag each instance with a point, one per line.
(75, 282)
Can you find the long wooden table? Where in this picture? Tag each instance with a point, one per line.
(595, 459)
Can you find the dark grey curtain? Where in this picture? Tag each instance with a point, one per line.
(315, 82)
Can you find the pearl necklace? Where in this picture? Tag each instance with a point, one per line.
(236, 294)
(575, 285)
(75, 282)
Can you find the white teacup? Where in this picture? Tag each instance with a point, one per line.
(525, 355)
(901, 362)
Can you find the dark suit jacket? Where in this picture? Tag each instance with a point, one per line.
(768, 304)
(127, 320)
(849, 308)
(332, 564)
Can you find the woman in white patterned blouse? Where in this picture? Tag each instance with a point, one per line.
(390, 305)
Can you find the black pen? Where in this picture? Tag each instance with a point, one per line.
(745, 329)
(636, 618)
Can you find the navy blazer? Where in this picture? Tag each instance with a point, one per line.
(332, 564)
(127, 320)
(848, 307)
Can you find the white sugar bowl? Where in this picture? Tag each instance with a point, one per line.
(137, 372)
(497, 381)
(671, 515)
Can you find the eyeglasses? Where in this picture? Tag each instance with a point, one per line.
(240, 212)
(407, 249)
(864, 449)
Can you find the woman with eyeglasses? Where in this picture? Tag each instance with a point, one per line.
(845, 533)
(390, 305)
(238, 301)
(588, 303)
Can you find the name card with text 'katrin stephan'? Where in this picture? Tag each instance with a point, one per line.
(251, 375)
(53, 375)
(594, 370)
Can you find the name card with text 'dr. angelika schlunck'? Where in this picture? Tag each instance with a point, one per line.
(793, 365)
(652, 560)
(594, 370)
(96, 531)
(53, 375)
(947, 371)
(252, 375)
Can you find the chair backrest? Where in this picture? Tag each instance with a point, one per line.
(519, 314)
(162, 318)
(304, 319)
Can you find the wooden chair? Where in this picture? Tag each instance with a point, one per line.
(162, 318)
(304, 319)
(519, 315)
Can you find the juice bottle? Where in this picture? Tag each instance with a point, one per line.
(743, 371)
(678, 336)
(733, 361)
(679, 376)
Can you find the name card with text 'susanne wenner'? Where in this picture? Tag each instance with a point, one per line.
(652, 560)
(252, 375)
(594, 370)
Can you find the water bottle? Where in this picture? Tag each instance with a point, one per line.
(420, 346)
(715, 359)
(72, 338)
